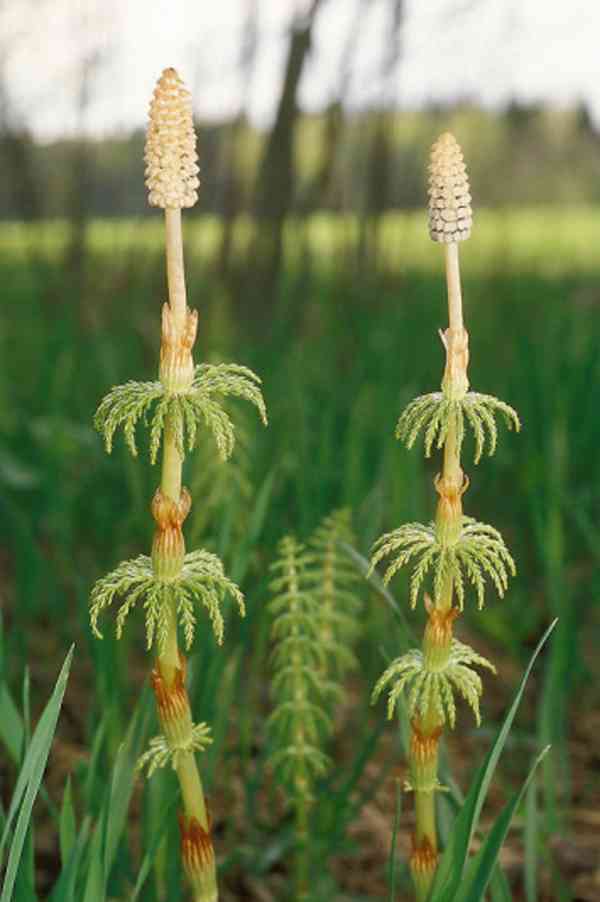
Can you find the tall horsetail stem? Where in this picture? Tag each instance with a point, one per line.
(171, 582)
(454, 552)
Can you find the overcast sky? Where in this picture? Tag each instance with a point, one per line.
(485, 50)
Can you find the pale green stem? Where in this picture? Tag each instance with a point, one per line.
(455, 315)
(171, 480)
(191, 789)
(175, 267)
(425, 815)
(452, 471)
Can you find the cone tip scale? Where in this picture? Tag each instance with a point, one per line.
(450, 213)
(170, 153)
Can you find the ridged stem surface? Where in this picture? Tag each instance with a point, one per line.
(455, 316)
(168, 660)
(423, 759)
(175, 266)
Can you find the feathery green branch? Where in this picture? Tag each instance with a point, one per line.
(434, 689)
(187, 410)
(479, 554)
(434, 413)
(201, 581)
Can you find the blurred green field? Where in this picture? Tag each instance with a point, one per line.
(352, 339)
(550, 241)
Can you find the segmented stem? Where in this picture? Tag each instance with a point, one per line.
(454, 552)
(455, 314)
(190, 782)
(427, 729)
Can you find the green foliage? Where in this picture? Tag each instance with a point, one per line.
(225, 488)
(314, 627)
(299, 720)
(162, 751)
(433, 690)
(434, 413)
(184, 411)
(479, 553)
(29, 780)
(333, 579)
(451, 869)
(201, 580)
(323, 448)
(480, 867)
(122, 407)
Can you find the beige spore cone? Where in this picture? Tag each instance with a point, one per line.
(170, 155)
(450, 214)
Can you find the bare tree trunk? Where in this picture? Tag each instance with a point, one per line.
(275, 184)
(80, 185)
(231, 202)
(321, 186)
(380, 154)
(16, 154)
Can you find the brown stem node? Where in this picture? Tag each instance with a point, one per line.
(438, 631)
(169, 514)
(450, 488)
(177, 341)
(198, 855)
(455, 382)
(168, 546)
(424, 745)
(423, 858)
(171, 700)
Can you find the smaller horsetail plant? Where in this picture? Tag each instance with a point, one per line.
(170, 584)
(455, 553)
(314, 614)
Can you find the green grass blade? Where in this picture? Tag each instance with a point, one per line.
(481, 866)
(450, 870)
(255, 527)
(26, 693)
(363, 566)
(123, 780)
(499, 886)
(12, 731)
(64, 889)
(67, 826)
(95, 886)
(30, 778)
(93, 766)
(155, 842)
(531, 841)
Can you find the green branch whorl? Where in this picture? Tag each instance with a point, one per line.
(479, 554)
(188, 410)
(433, 690)
(434, 413)
(201, 580)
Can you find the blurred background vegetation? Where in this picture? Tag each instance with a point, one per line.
(308, 260)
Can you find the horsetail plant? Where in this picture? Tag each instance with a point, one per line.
(314, 625)
(333, 578)
(170, 584)
(454, 552)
